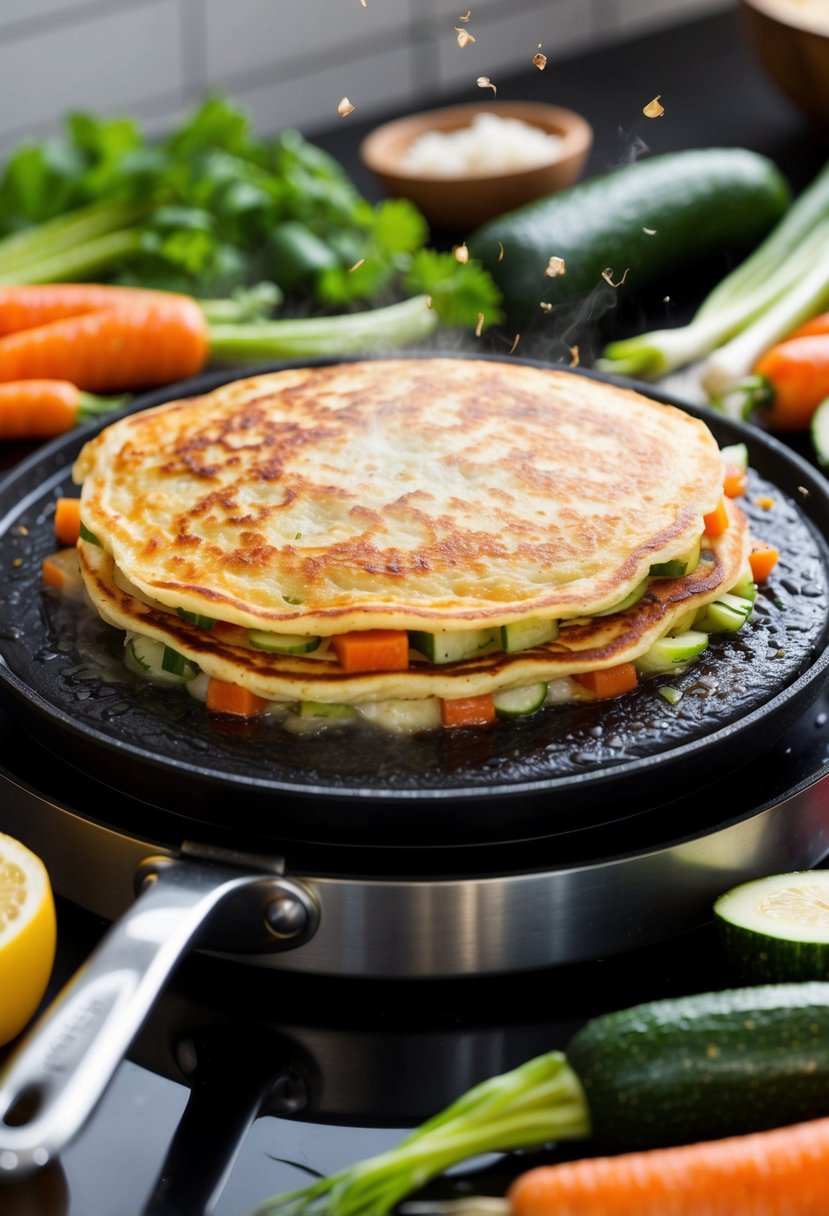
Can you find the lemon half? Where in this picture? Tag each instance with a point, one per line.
(27, 935)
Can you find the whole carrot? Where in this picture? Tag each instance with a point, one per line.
(40, 409)
(784, 1172)
(796, 374)
(25, 306)
(138, 340)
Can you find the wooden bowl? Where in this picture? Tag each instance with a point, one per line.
(461, 203)
(791, 40)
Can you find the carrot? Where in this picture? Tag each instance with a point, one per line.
(716, 521)
(68, 520)
(372, 650)
(762, 559)
(226, 698)
(25, 306)
(778, 1173)
(468, 711)
(796, 375)
(610, 682)
(40, 409)
(53, 575)
(138, 340)
(735, 481)
(61, 572)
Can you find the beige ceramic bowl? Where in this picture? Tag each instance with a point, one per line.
(461, 203)
(791, 40)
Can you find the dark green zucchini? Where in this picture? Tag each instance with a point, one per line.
(702, 1067)
(638, 222)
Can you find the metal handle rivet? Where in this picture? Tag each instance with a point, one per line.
(286, 916)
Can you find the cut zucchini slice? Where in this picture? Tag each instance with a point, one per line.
(725, 615)
(282, 643)
(777, 928)
(672, 654)
(736, 454)
(518, 702)
(745, 586)
(326, 709)
(521, 635)
(155, 661)
(633, 598)
(195, 618)
(685, 563)
(454, 645)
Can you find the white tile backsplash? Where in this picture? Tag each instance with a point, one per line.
(104, 64)
(290, 60)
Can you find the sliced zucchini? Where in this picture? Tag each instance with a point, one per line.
(725, 615)
(819, 430)
(326, 709)
(745, 586)
(685, 563)
(518, 702)
(152, 659)
(632, 598)
(282, 643)
(521, 635)
(672, 654)
(777, 928)
(452, 645)
(88, 536)
(736, 454)
(196, 618)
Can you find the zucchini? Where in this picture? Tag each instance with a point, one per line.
(652, 217)
(630, 599)
(326, 709)
(452, 645)
(736, 454)
(282, 643)
(196, 618)
(518, 702)
(670, 655)
(152, 659)
(701, 1067)
(676, 567)
(521, 635)
(777, 928)
(819, 431)
(724, 615)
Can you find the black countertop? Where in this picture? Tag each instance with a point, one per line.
(367, 1058)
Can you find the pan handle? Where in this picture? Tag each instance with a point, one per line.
(61, 1070)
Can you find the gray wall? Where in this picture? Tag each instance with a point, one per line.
(289, 61)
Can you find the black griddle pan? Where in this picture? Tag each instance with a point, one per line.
(563, 769)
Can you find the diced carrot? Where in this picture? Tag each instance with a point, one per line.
(226, 698)
(68, 520)
(468, 711)
(372, 650)
(53, 575)
(735, 481)
(609, 682)
(716, 521)
(762, 559)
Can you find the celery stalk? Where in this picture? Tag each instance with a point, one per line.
(348, 333)
(533, 1105)
(77, 262)
(43, 242)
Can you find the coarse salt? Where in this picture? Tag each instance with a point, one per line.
(490, 144)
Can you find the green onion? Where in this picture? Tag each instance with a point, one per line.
(195, 618)
(174, 662)
(672, 695)
(88, 536)
(539, 1102)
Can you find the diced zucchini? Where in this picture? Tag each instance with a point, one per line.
(517, 702)
(152, 659)
(521, 635)
(672, 654)
(685, 563)
(88, 536)
(672, 695)
(452, 645)
(195, 618)
(736, 454)
(725, 615)
(282, 643)
(745, 585)
(632, 598)
(326, 709)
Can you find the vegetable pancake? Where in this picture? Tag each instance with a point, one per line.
(421, 535)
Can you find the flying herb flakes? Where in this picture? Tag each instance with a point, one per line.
(356, 265)
(500, 252)
(466, 15)
(540, 61)
(654, 109)
(607, 275)
(649, 231)
(545, 306)
(485, 83)
(479, 328)
(461, 254)
(464, 37)
(514, 346)
(345, 108)
(555, 267)
(574, 356)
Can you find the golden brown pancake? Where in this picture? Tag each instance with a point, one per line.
(408, 494)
